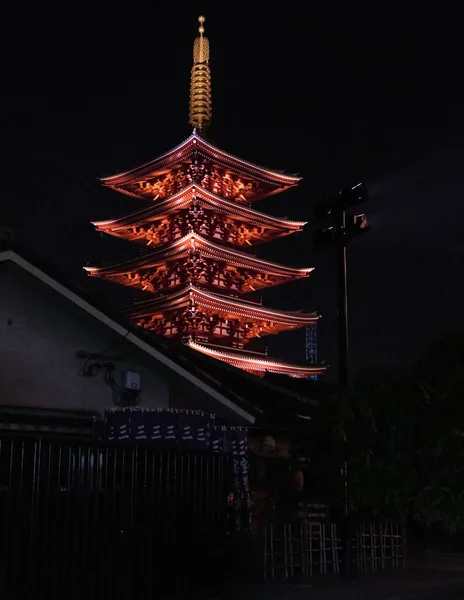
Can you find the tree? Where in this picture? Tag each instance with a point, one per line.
(405, 432)
(440, 434)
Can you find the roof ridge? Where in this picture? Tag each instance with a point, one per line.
(113, 180)
(192, 187)
(171, 246)
(188, 289)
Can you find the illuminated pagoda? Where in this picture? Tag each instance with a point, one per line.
(199, 226)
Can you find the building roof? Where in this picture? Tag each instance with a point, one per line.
(182, 248)
(268, 320)
(195, 193)
(276, 180)
(257, 363)
(249, 397)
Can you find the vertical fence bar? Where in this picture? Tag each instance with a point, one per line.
(9, 502)
(44, 506)
(18, 552)
(76, 518)
(208, 497)
(90, 496)
(33, 518)
(98, 518)
(56, 487)
(113, 514)
(404, 543)
(194, 486)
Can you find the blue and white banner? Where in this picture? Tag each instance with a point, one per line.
(180, 429)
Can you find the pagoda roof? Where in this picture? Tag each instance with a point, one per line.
(208, 249)
(270, 320)
(255, 362)
(180, 153)
(187, 197)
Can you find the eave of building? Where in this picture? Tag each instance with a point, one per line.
(235, 308)
(182, 247)
(254, 363)
(185, 198)
(173, 157)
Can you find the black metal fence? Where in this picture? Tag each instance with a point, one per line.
(82, 521)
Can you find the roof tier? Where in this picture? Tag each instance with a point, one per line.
(200, 306)
(196, 160)
(194, 259)
(257, 363)
(204, 212)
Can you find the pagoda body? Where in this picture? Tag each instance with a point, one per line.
(199, 227)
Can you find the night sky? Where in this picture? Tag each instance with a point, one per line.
(337, 93)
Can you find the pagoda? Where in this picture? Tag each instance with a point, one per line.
(199, 226)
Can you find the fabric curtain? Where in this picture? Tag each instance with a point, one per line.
(182, 430)
(187, 431)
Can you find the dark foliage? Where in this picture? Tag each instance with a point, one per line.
(405, 434)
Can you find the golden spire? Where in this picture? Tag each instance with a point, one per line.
(200, 83)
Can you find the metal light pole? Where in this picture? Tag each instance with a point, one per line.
(342, 302)
(337, 236)
(342, 323)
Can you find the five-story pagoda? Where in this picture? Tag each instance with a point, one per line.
(199, 226)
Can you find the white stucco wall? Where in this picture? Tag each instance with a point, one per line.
(40, 333)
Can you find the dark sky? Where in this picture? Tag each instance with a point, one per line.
(337, 92)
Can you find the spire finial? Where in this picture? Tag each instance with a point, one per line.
(200, 84)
